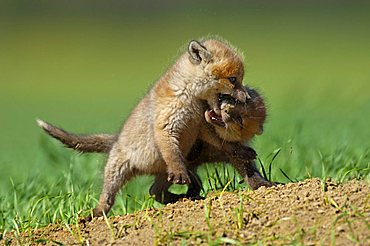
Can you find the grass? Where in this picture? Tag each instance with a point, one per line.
(86, 72)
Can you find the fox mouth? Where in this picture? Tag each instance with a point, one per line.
(215, 118)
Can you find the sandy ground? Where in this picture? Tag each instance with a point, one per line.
(308, 212)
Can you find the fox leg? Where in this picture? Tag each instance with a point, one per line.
(195, 186)
(234, 150)
(172, 155)
(161, 185)
(246, 167)
(254, 177)
(248, 170)
(160, 190)
(117, 173)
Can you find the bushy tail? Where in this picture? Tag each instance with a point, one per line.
(99, 143)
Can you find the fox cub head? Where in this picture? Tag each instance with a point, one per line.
(239, 122)
(221, 65)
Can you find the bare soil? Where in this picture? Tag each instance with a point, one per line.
(311, 212)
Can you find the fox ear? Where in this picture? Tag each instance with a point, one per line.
(198, 52)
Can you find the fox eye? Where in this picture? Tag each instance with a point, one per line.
(232, 80)
(239, 120)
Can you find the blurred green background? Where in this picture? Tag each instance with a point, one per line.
(83, 65)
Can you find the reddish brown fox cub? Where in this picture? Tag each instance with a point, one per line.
(238, 122)
(166, 123)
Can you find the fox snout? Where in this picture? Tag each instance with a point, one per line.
(241, 95)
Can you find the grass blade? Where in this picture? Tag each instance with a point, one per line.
(272, 160)
(263, 168)
(285, 175)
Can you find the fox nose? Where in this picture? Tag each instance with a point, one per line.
(241, 96)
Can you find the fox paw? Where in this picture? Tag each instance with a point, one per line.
(257, 181)
(178, 177)
(197, 197)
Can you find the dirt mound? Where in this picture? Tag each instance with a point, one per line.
(309, 212)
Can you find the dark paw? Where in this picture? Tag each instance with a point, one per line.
(98, 212)
(179, 178)
(185, 197)
(197, 197)
(170, 198)
(84, 220)
(257, 181)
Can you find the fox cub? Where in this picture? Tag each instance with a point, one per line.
(165, 124)
(238, 122)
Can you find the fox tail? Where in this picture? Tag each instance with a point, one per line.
(98, 143)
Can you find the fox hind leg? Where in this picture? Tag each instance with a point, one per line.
(116, 174)
(159, 190)
(161, 185)
(195, 186)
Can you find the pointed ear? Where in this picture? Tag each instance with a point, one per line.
(198, 52)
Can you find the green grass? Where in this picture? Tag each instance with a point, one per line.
(85, 69)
